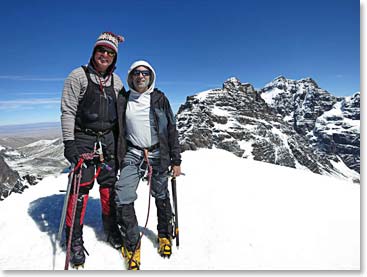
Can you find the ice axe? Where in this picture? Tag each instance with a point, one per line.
(64, 208)
(175, 215)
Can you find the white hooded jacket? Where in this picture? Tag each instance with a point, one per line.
(140, 125)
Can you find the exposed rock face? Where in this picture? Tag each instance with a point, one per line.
(338, 131)
(10, 180)
(238, 119)
(331, 124)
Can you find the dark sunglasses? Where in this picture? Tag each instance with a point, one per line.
(143, 72)
(110, 52)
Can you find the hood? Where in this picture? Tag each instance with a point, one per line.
(152, 80)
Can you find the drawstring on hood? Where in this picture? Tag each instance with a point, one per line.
(152, 77)
(102, 81)
(101, 84)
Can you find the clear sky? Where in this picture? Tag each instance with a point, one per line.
(194, 45)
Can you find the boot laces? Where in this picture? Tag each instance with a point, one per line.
(133, 261)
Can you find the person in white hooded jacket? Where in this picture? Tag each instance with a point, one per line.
(148, 136)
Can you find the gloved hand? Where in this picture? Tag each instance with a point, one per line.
(70, 151)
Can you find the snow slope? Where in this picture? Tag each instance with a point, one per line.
(235, 214)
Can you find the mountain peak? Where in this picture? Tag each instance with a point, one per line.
(309, 80)
(234, 84)
(231, 83)
(280, 78)
(282, 82)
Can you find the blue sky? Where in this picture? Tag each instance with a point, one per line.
(194, 45)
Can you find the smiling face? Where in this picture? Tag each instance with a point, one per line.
(141, 78)
(103, 58)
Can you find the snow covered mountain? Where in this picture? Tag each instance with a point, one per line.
(331, 124)
(259, 125)
(244, 215)
(27, 165)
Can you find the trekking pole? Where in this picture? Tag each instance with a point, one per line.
(65, 206)
(174, 196)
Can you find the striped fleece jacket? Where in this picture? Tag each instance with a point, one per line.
(74, 89)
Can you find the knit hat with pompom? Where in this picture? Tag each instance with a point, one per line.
(109, 40)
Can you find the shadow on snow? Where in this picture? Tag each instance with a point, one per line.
(46, 212)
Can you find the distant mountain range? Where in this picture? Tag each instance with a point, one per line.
(40, 130)
(291, 123)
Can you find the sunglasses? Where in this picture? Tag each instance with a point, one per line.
(110, 52)
(143, 72)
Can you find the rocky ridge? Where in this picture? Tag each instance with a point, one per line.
(262, 125)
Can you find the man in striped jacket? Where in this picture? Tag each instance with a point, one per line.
(89, 117)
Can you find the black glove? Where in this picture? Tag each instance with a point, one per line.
(70, 151)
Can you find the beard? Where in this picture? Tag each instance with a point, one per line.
(141, 84)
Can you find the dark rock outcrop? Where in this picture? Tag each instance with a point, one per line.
(10, 180)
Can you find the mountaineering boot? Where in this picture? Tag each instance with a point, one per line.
(165, 247)
(77, 255)
(128, 223)
(165, 227)
(132, 258)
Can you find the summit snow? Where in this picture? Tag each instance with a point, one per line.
(234, 214)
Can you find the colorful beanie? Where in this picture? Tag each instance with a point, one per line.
(109, 40)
